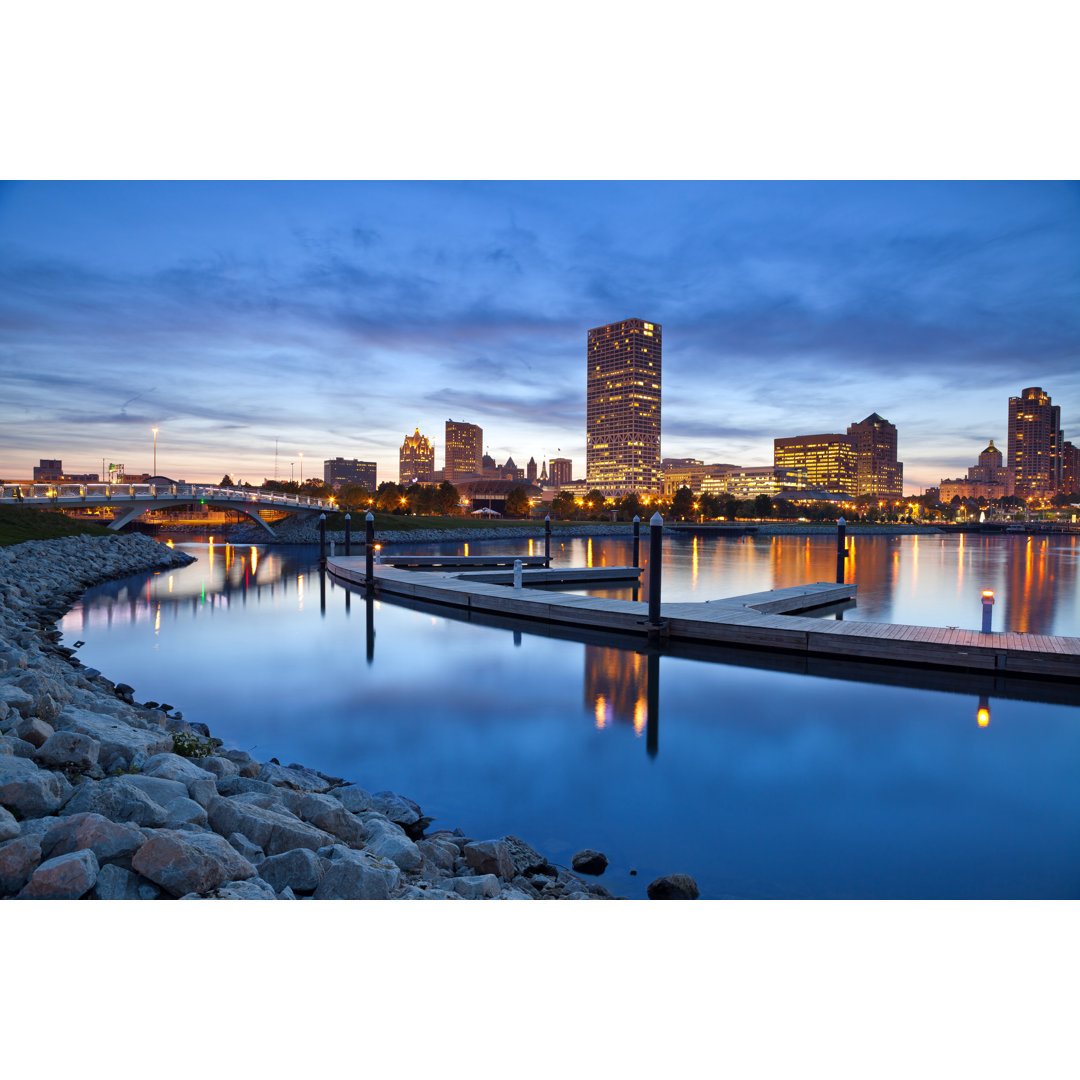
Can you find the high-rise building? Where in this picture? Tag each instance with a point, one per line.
(877, 472)
(464, 450)
(338, 471)
(987, 480)
(622, 432)
(560, 471)
(827, 460)
(1035, 442)
(1070, 468)
(416, 460)
(530, 471)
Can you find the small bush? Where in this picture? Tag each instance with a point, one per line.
(194, 746)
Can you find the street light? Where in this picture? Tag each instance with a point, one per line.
(155, 431)
(301, 453)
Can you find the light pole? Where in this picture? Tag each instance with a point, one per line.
(301, 453)
(155, 431)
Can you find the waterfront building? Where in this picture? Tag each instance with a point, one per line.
(750, 482)
(339, 471)
(828, 461)
(877, 472)
(986, 480)
(463, 451)
(510, 471)
(622, 426)
(1035, 443)
(691, 473)
(51, 470)
(1070, 469)
(416, 460)
(560, 471)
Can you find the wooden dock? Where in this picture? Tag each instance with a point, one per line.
(458, 562)
(766, 620)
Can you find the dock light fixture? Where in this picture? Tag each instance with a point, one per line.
(987, 609)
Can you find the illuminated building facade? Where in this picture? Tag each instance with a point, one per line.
(622, 426)
(51, 470)
(1035, 442)
(464, 450)
(827, 461)
(1070, 469)
(877, 472)
(339, 471)
(560, 471)
(749, 483)
(416, 460)
(987, 480)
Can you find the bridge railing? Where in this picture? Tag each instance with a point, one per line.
(107, 494)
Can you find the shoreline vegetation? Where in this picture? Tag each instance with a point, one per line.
(104, 797)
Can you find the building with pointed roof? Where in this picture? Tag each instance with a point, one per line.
(877, 472)
(416, 460)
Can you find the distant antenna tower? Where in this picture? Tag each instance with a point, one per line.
(275, 456)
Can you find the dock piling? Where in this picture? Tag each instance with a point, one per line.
(322, 537)
(517, 574)
(987, 609)
(637, 541)
(547, 538)
(841, 549)
(656, 539)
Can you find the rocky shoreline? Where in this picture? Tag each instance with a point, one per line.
(102, 797)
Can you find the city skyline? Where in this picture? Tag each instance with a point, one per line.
(332, 318)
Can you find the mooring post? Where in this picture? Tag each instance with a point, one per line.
(369, 548)
(322, 537)
(988, 609)
(841, 549)
(656, 530)
(332, 543)
(547, 539)
(517, 573)
(637, 541)
(348, 534)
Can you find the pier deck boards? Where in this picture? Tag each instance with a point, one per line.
(763, 620)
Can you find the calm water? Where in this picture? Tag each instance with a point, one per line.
(761, 776)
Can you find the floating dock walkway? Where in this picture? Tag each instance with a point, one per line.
(766, 620)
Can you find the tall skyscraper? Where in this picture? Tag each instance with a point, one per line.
(622, 432)
(1035, 442)
(1070, 468)
(416, 460)
(464, 450)
(530, 471)
(338, 471)
(828, 460)
(877, 472)
(560, 471)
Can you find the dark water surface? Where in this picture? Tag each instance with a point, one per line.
(760, 775)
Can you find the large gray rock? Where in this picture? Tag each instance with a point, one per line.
(9, 827)
(121, 744)
(271, 830)
(185, 811)
(241, 785)
(588, 861)
(490, 857)
(526, 859)
(330, 815)
(394, 845)
(219, 766)
(39, 685)
(481, 887)
(33, 730)
(299, 869)
(18, 700)
(397, 808)
(117, 800)
(255, 889)
(673, 887)
(116, 883)
(68, 750)
(186, 862)
(29, 791)
(441, 853)
(293, 776)
(18, 860)
(110, 841)
(357, 875)
(201, 785)
(162, 791)
(354, 799)
(252, 852)
(67, 877)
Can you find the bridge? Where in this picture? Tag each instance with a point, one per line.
(129, 501)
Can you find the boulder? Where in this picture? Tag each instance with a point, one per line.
(588, 861)
(184, 811)
(526, 859)
(354, 799)
(66, 877)
(29, 791)
(441, 853)
(110, 841)
(357, 875)
(328, 814)
(490, 857)
(37, 684)
(162, 791)
(673, 887)
(293, 776)
(33, 730)
(18, 700)
(252, 852)
(9, 827)
(121, 744)
(117, 800)
(482, 887)
(68, 750)
(300, 869)
(219, 766)
(397, 808)
(396, 846)
(240, 785)
(255, 889)
(116, 883)
(186, 862)
(201, 785)
(271, 830)
(18, 860)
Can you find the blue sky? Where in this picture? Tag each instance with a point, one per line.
(338, 316)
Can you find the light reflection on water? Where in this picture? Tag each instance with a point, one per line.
(757, 778)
